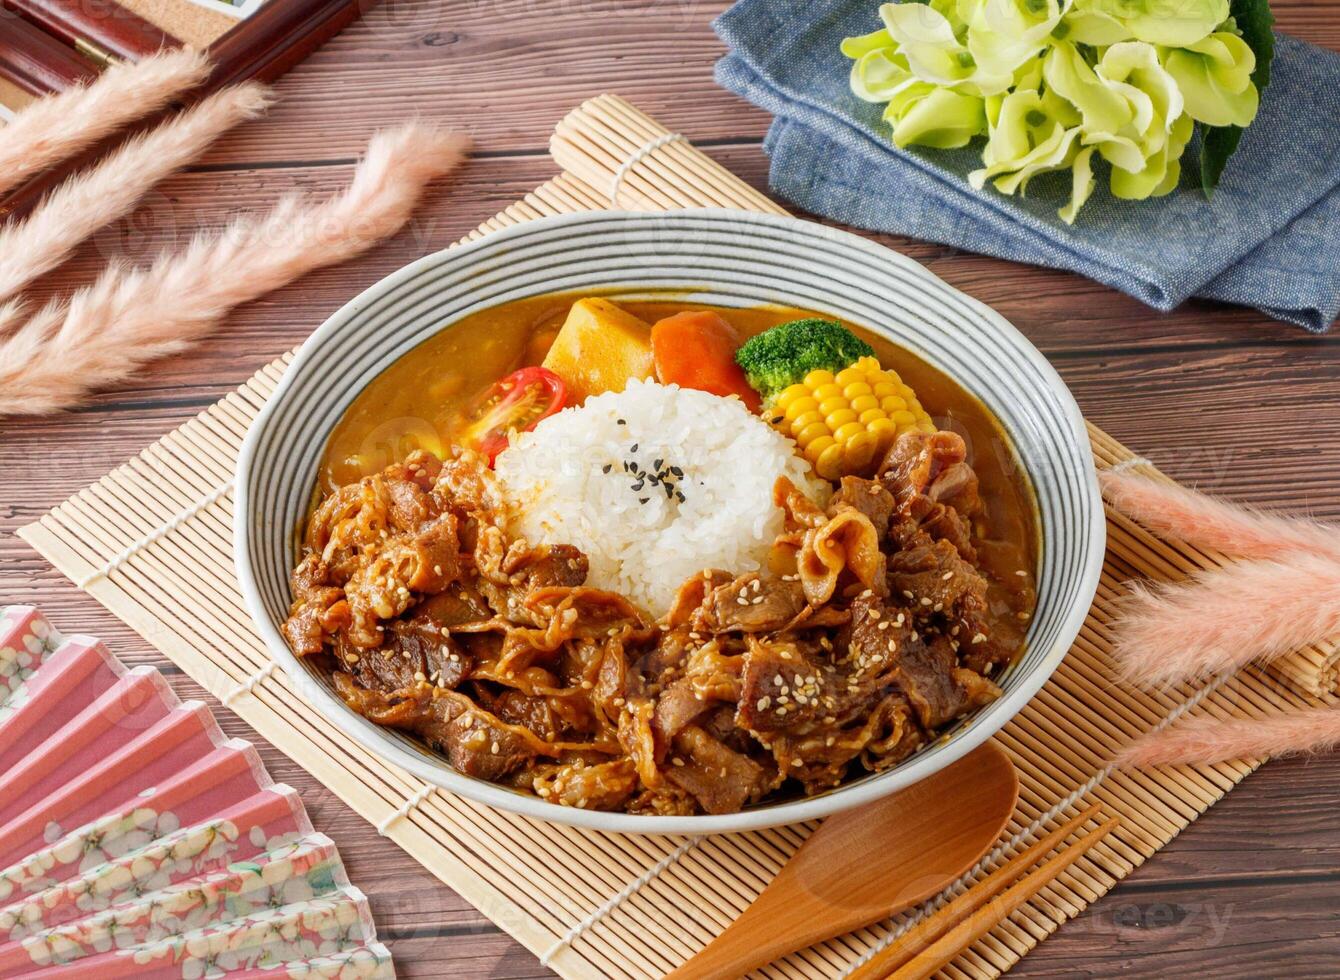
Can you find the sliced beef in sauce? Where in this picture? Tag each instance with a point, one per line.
(780, 687)
(754, 604)
(870, 497)
(587, 786)
(415, 651)
(934, 489)
(496, 652)
(937, 688)
(721, 780)
(532, 571)
(934, 578)
(474, 741)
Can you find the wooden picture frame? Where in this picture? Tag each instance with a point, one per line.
(48, 46)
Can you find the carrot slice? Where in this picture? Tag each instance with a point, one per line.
(696, 349)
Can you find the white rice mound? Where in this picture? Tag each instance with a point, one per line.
(645, 543)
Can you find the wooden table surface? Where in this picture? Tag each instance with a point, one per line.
(1219, 397)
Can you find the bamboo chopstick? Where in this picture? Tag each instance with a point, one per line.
(925, 932)
(938, 938)
(985, 915)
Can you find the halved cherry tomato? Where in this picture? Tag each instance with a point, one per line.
(516, 403)
(696, 349)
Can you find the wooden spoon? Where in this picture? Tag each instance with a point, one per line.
(863, 865)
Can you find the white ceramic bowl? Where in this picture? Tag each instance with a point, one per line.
(731, 258)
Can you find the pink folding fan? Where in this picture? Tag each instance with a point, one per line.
(136, 841)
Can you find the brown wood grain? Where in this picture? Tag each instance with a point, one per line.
(1220, 397)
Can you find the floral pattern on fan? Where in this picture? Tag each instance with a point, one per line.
(367, 963)
(318, 928)
(107, 839)
(287, 876)
(26, 640)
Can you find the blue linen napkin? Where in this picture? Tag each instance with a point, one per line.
(1270, 238)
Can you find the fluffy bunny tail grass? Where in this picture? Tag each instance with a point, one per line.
(1214, 524)
(128, 317)
(59, 126)
(1224, 619)
(110, 190)
(1207, 740)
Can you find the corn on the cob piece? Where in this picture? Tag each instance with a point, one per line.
(843, 422)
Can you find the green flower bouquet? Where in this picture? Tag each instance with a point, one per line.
(1052, 84)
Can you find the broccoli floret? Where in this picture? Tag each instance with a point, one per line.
(780, 357)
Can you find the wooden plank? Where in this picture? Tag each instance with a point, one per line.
(510, 69)
(1280, 928)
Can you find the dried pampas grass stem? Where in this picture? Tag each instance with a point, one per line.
(87, 202)
(59, 126)
(1217, 525)
(1208, 740)
(1227, 618)
(130, 317)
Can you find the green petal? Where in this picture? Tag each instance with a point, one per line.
(878, 75)
(1024, 141)
(1094, 28)
(1123, 152)
(854, 47)
(942, 119)
(1029, 75)
(1232, 60)
(1138, 65)
(1141, 184)
(1173, 23)
(1127, 102)
(1056, 153)
(1004, 34)
(1161, 172)
(1081, 185)
(1215, 81)
(1014, 135)
(1104, 111)
(1179, 138)
(926, 38)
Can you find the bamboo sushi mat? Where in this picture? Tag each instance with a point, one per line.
(152, 541)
